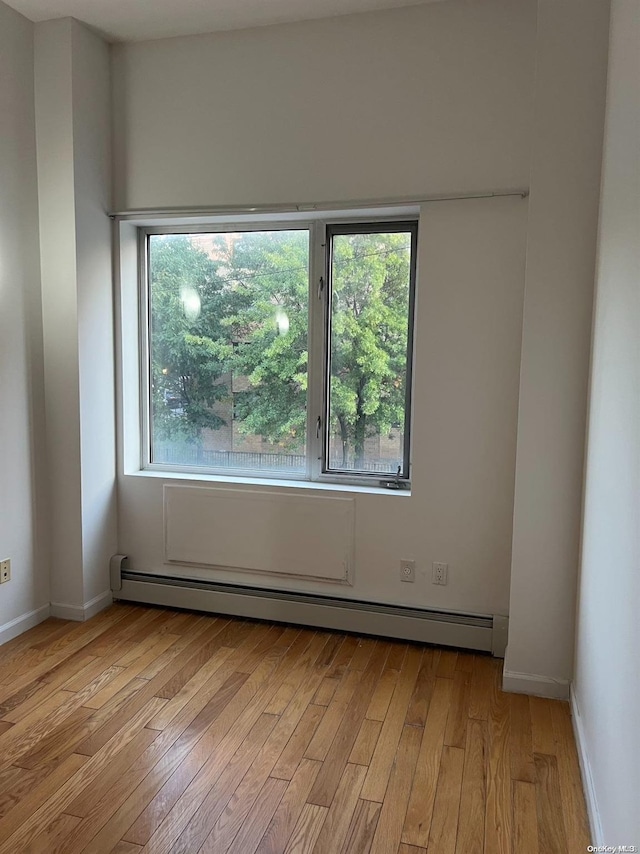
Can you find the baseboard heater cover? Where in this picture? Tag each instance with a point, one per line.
(444, 628)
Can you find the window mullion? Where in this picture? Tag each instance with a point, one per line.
(315, 396)
(144, 332)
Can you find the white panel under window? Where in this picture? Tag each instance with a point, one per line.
(257, 531)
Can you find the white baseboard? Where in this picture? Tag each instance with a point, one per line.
(394, 621)
(64, 611)
(531, 683)
(21, 624)
(27, 621)
(82, 612)
(595, 823)
(97, 604)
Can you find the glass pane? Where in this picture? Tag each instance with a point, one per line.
(228, 348)
(371, 286)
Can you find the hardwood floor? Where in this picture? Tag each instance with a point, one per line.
(151, 730)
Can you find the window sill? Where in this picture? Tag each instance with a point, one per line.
(270, 483)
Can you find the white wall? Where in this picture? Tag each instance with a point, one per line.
(423, 99)
(571, 67)
(433, 98)
(73, 134)
(419, 100)
(22, 462)
(607, 678)
(469, 318)
(54, 107)
(92, 171)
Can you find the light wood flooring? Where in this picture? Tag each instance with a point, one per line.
(151, 730)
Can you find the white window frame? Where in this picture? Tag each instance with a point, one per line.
(318, 343)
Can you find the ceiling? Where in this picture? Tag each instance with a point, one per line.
(136, 20)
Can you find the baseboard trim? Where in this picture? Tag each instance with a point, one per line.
(97, 604)
(468, 631)
(595, 822)
(79, 613)
(532, 683)
(64, 611)
(21, 624)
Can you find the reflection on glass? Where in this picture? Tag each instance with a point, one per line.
(228, 349)
(371, 284)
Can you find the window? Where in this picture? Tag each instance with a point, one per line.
(280, 350)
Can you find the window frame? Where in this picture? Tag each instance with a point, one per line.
(382, 226)
(319, 343)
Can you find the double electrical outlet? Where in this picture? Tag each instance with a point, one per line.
(5, 570)
(408, 572)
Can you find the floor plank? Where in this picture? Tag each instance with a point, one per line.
(194, 747)
(143, 829)
(326, 690)
(420, 810)
(365, 743)
(289, 809)
(542, 735)
(155, 731)
(425, 683)
(52, 839)
(199, 803)
(525, 818)
(473, 800)
(456, 731)
(480, 687)
(447, 664)
(498, 816)
(38, 797)
(551, 829)
(521, 747)
(84, 777)
(307, 830)
(379, 704)
(378, 775)
(444, 824)
(255, 823)
(389, 829)
(343, 657)
(336, 758)
(338, 820)
(292, 755)
(362, 828)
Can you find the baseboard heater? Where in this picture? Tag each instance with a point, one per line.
(443, 628)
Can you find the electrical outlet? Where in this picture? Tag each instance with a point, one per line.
(5, 571)
(407, 570)
(440, 573)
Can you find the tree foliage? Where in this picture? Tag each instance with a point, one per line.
(237, 306)
(268, 317)
(369, 336)
(188, 355)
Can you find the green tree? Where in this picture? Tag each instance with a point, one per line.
(268, 320)
(188, 353)
(240, 308)
(369, 337)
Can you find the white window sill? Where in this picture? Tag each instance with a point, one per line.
(278, 483)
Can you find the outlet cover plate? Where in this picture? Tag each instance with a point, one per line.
(408, 570)
(440, 573)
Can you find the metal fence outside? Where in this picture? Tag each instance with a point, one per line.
(192, 455)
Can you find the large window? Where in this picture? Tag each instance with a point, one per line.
(280, 350)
